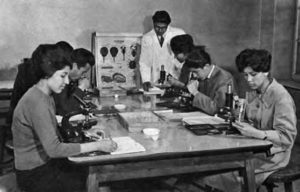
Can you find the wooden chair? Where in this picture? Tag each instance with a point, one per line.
(286, 175)
(5, 96)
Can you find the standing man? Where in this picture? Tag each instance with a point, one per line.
(82, 61)
(156, 50)
(211, 86)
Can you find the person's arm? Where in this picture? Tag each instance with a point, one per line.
(146, 59)
(84, 83)
(174, 82)
(207, 104)
(105, 145)
(284, 123)
(45, 126)
(283, 130)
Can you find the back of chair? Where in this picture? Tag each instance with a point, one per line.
(5, 96)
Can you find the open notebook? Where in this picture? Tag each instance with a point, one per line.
(127, 145)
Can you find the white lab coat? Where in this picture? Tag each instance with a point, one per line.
(153, 55)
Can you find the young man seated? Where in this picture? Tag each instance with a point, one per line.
(82, 61)
(211, 85)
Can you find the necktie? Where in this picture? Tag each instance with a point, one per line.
(161, 40)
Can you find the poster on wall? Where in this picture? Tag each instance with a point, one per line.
(117, 56)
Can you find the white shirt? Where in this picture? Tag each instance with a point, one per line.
(153, 55)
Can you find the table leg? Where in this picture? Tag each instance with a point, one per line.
(249, 177)
(92, 184)
(104, 189)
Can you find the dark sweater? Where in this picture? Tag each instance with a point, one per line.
(35, 133)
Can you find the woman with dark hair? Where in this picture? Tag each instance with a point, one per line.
(38, 149)
(25, 77)
(271, 115)
(270, 110)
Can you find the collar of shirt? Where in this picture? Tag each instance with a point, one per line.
(164, 35)
(211, 71)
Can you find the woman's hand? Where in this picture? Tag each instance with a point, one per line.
(248, 130)
(107, 145)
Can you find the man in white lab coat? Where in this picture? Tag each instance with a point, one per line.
(156, 50)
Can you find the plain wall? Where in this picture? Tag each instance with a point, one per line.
(225, 27)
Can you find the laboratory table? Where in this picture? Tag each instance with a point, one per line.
(177, 151)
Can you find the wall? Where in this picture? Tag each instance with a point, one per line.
(285, 18)
(224, 27)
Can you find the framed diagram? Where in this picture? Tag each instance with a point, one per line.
(117, 56)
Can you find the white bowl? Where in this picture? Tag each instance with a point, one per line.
(120, 106)
(152, 132)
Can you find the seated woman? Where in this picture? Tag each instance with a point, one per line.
(25, 77)
(271, 114)
(40, 154)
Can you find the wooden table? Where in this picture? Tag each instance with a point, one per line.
(177, 151)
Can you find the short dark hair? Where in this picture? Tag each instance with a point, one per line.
(161, 17)
(258, 59)
(66, 47)
(82, 56)
(198, 58)
(47, 59)
(182, 44)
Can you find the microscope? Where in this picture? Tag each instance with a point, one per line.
(226, 112)
(73, 132)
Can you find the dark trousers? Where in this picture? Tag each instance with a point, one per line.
(54, 176)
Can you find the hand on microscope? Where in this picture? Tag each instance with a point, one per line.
(83, 83)
(248, 130)
(147, 85)
(193, 87)
(175, 82)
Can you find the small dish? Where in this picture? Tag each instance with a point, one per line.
(152, 132)
(120, 106)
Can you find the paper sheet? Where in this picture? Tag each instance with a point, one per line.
(127, 145)
(170, 115)
(203, 120)
(153, 91)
